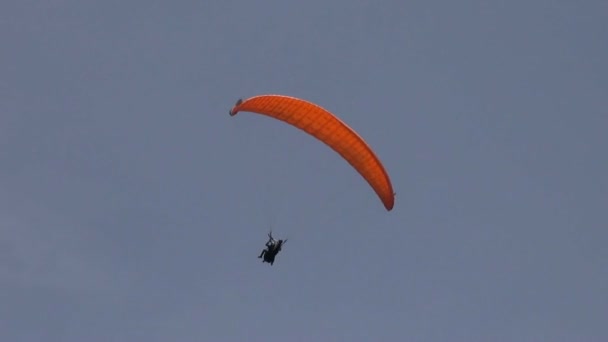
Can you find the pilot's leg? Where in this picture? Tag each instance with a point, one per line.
(262, 254)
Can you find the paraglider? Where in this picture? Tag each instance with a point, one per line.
(329, 129)
(273, 247)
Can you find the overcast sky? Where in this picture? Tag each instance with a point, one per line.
(133, 207)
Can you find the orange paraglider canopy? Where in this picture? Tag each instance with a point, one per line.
(327, 128)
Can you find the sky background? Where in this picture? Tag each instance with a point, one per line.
(132, 206)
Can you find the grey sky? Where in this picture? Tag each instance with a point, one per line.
(133, 207)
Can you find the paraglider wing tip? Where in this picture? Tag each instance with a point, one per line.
(389, 206)
(234, 110)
